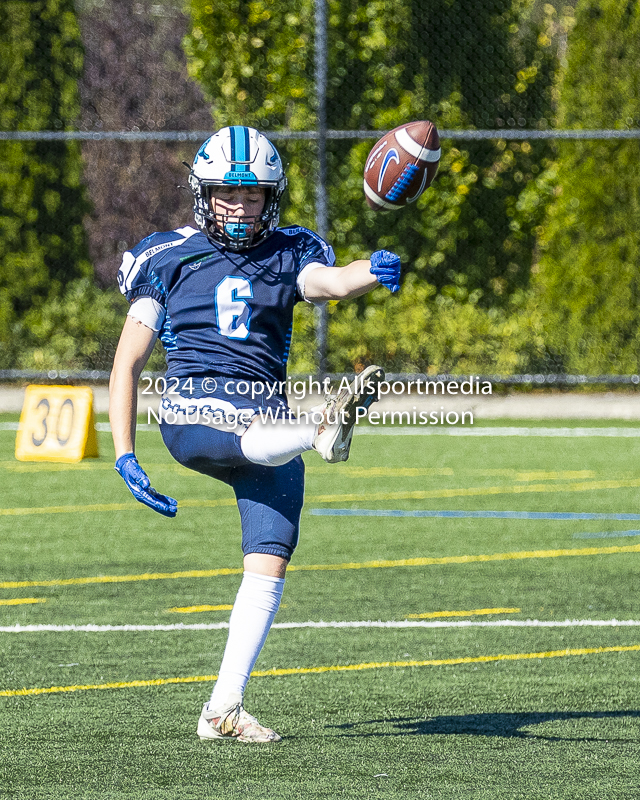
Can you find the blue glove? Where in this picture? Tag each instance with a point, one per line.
(140, 486)
(386, 267)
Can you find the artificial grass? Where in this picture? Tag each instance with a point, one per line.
(566, 726)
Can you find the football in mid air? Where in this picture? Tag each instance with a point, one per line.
(401, 165)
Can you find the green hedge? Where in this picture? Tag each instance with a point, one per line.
(42, 200)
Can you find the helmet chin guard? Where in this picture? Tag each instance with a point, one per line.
(237, 156)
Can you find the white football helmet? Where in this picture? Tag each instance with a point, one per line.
(237, 156)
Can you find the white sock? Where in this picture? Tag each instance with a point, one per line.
(255, 607)
(273, 443)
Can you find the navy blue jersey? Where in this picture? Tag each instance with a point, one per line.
(227, 314)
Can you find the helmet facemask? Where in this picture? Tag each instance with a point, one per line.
(235, 232)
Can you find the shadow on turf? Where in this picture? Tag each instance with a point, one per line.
(506, 725)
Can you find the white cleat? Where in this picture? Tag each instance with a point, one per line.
(234, 724)
(334, 434)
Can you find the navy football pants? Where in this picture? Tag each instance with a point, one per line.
(269, 498)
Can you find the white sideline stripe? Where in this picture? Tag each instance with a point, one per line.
(406, 623)
(417, 430)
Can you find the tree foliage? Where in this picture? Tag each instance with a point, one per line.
(78, 330)
(42, 200)
(420, 331)
(135, 79)
(588, 285)
(132, 77)
(461, 63)
(497, 211)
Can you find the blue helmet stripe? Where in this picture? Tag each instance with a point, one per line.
(234, 142)
(246, 150)
(239, 148)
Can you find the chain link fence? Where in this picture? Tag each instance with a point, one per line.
(520, 262)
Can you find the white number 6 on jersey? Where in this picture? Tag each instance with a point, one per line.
(232, 310)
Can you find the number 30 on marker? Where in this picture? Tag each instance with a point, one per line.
(57, 424)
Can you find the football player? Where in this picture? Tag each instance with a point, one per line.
(221, 298)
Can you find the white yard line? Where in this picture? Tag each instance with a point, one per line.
(212, 626)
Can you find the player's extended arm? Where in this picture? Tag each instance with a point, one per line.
(355, 279)
(134, 348)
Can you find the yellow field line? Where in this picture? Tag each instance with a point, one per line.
(421, 472)
(565, 475)
(383, 472)
(269, 673)
(477, 491)
(469, 559)
(21, 512)
(21, 467)
(473, 491)
(147, 576)
(19, 601)
(351, 471)
(475, 612)
(386, 564)
(197, 609)
(130, 506)
(84, 466)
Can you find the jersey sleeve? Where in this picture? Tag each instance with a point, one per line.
(314, 253)
(137, 276)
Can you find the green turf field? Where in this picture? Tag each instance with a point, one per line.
(442, 703)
